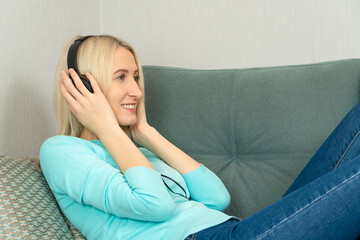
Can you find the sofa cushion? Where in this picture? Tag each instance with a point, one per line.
(28, 209)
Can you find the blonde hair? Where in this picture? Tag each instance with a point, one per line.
(95, 55)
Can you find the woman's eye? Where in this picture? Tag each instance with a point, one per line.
(121, 77)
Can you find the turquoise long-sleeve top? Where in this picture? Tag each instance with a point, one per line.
(103, 203)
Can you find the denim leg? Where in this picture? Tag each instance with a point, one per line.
(327, 208)
(341, 146)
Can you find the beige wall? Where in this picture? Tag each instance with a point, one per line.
(32, 35)
(236, 33)
(182, 33)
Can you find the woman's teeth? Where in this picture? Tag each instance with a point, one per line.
(128, 106)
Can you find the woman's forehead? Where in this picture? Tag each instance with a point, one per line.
(125, 60)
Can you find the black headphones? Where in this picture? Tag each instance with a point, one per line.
(72, 63)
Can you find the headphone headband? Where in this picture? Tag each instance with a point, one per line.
(72, 54)
(72, 61)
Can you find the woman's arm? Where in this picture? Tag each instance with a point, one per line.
(204, 186)
(168, 152)
(73, 167)
(122, 149)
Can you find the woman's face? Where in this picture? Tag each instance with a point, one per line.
(124, 92)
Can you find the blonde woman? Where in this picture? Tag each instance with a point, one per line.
(110, 189)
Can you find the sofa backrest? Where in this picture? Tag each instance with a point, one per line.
(255, 128)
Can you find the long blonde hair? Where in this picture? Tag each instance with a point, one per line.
(95, 55)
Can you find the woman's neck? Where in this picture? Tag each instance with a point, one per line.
(87, 135)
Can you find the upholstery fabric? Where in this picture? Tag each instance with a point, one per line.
(255, 128)
(28, 209)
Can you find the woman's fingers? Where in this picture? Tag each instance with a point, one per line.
(65, 93)
(93, 83)
(80, 87)
(70, 86)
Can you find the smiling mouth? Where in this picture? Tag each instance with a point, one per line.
(128, 106)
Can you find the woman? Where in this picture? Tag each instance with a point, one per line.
(110, 189)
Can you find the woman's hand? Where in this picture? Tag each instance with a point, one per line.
(141, 127)
(91, 109)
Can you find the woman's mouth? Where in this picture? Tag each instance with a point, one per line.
(129, 107)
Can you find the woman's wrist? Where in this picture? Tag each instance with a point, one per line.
(108, 131)
(122, 149)
(144, 136)
(168, 152)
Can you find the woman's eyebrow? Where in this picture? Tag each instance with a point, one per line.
(125, 71)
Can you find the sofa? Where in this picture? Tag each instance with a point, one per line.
(256, 128)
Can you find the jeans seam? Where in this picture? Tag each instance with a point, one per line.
(308, 205)
(346, 150)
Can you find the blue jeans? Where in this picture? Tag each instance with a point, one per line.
(322, 203)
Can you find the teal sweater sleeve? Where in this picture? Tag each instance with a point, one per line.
(72, 168)
(205, 187)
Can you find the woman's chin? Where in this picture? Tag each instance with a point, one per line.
(127, 123)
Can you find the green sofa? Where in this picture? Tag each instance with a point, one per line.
(256, 128)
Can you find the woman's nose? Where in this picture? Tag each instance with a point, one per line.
(134, 90)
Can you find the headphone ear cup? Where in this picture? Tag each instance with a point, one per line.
(87, 83)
